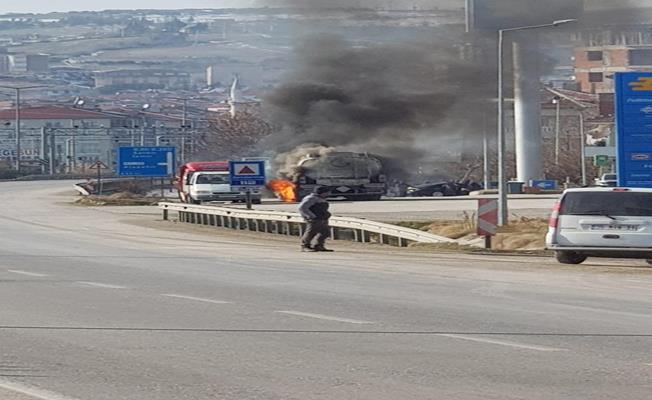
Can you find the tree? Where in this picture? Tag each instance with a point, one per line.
(234, 137)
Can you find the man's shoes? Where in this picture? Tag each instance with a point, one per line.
(322, 250)
(307, 248)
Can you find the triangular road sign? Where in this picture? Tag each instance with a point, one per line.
(98, 165)
(246, 170)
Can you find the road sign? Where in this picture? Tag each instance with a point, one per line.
(601, 160)
(487, 217)
(146, 161)
(634, 128)
(98, 165)
(247, 174)
(544, 184)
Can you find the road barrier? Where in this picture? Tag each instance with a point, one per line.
(342, 228)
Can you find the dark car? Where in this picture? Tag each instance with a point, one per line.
(440, 189)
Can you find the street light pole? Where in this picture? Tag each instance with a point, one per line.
(582, 149)
(18, 149)
(502, 183)
(503, 216)
(557, 102)
(485, 151)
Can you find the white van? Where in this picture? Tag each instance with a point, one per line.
(601, 222)
(216, 186)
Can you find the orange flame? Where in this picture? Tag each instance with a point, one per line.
(286, 190)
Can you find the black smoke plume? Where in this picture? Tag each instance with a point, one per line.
(400, 100)
(412, 102)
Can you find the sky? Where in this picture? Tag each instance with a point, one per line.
(40, 6)
(43, 6)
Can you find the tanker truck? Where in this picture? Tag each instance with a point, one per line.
(354, 176)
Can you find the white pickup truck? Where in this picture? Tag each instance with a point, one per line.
(200, 182)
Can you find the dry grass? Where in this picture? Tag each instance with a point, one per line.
(522, 234)
(118, 199)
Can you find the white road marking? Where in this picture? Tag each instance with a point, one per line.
(101, 285)
(502, 343)
(16, 271)
(32, 392)
(178, 296)
(325, 317)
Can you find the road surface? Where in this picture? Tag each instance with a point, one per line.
(425, 209)
(106, 303)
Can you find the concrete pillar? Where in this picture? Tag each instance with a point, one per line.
(527, 108)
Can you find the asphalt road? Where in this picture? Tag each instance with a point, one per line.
(106, 303)
(426, 209)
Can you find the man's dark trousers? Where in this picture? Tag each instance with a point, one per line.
(317, 230)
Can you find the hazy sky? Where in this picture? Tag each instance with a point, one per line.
(79, 5)
(67, 5)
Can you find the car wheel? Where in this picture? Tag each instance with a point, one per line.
(570, 257)
(437, 194)
(193, 201)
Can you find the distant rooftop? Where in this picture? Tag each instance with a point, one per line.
(52, 112)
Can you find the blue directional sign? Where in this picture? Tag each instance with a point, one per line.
(634, 128)
(544, 184)
(247, 174)
(146, 161)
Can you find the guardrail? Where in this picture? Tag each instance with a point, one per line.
(343, 228)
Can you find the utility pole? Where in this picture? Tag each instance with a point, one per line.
(44, 149)
(18, 89)
(52, 156)
(184, 126)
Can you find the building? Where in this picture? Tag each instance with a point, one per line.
(625, 44)
(80, 135)
(595, 66)
(250, 75)
(5, 64)
(54, 117)
(142, 79)
(38, 63)
(17, 63)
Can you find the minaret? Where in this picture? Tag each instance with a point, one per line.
(236, 96)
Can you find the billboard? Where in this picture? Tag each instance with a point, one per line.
(493, 15)
(634, 128)
(146, 161)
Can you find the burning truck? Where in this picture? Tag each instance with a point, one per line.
(353, 176)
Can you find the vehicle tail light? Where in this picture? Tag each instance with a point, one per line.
(621, 190)
(554, 217)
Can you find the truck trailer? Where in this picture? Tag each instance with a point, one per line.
(353, 176)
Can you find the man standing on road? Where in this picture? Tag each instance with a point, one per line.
(314, 209)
